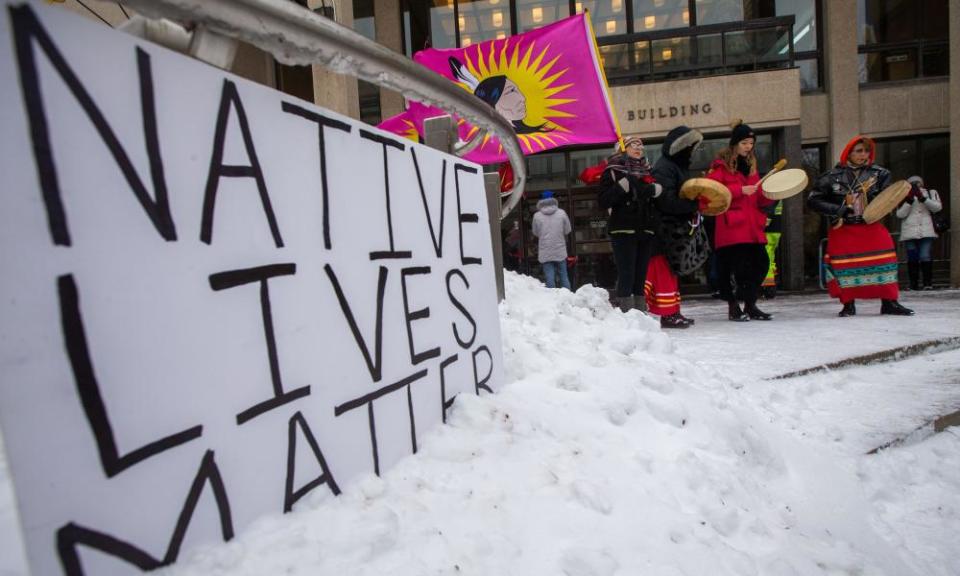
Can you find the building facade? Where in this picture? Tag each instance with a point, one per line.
(807, 75)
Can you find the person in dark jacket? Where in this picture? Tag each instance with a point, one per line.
(861, 261)
(627, 187)
(671, 212)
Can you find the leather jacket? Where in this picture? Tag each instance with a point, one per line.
(839, 192)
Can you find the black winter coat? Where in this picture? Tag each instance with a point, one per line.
(828, 194)
(670, 210)
(630, 211)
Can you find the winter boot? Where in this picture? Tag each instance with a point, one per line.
(913, 272)
(927, 269)
(673, 321)
(640, 303)
(735, 314)
(895, 308)
(689, 321)
(623, 303)
(755, 313)
(849, 309)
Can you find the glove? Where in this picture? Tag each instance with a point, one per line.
(625, 184)
(702, 203)
(657, 190)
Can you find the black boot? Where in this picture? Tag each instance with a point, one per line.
(849, 309)
(689, 321)
(895, 308)
(913, 272)
(673, 321)
(735, 314)
(927, 269)
(755, 313)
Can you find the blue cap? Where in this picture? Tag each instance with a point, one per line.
(546, 194)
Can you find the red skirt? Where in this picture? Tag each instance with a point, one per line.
(661, 290)
(861, 262)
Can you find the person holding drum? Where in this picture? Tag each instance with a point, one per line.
(861, 261)
(676, 218)
(740, 239)
(917, 231)
(626, 189)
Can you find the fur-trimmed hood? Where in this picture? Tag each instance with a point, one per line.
(680, 139)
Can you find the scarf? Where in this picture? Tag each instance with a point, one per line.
(623, 164)
(743, 165)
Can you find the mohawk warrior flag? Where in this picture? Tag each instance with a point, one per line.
(548, 83)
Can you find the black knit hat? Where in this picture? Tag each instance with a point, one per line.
(740, 132)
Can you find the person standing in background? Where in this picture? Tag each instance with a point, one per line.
(627, 188)
(917, 232)
(740, 240)
(551, 226)
(773, 230)
(675, 219)
(861, 261)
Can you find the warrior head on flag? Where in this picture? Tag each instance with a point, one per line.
(501, 93)
(548, 83)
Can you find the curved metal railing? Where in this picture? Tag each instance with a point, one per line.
(297, 36)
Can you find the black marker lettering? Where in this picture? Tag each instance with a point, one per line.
(384, 142)
(234, 278)
(70, 536)
(368, 399)
(465, 344)
(437, 242)
(410, 317)
(290, 496)
(230, 99)
(469, 217)
(26, 30)
(88, 389)
(444, 403)
(481, 383)
(321, 122)
(373, 364)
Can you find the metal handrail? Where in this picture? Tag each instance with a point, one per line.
(297, 36)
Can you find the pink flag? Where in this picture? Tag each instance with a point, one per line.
(547, 83)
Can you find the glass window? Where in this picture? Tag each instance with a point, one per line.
(934, 20)
(482, 20)
(441, 33)
(805, 22)
(364, 24)
(536, 13)
(809, 74)
(546, 172)
(886, 21)
(660, 14)
(609, 17)
(718, 11)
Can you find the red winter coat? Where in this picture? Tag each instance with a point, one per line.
(744, 222)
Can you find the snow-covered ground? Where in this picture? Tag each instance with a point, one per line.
(618, 449)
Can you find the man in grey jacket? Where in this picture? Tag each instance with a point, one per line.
(551, 225)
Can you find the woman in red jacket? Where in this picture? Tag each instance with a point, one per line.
(739, 238)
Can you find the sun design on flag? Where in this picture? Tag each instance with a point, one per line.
(521, 83)
(409, 131)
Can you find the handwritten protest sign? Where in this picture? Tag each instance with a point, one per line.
(214, 298)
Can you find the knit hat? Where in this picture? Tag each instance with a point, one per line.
(630, 140)
(740, 132)
(546, 194)
(915, 180)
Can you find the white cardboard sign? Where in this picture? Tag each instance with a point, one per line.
(214, 298)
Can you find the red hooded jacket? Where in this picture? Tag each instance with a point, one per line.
(745, 221)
